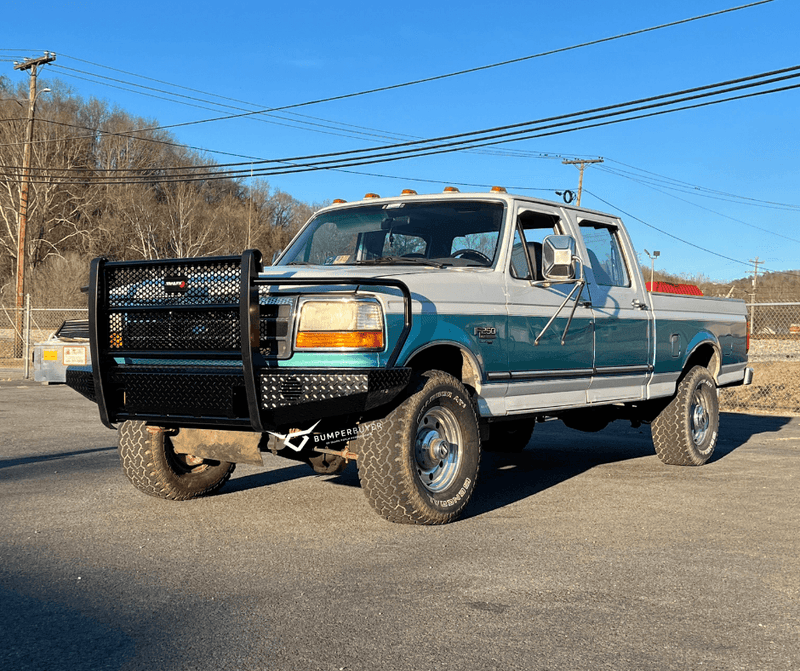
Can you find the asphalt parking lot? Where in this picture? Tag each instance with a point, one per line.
(583, 552)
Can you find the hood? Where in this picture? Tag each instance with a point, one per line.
(415, 278)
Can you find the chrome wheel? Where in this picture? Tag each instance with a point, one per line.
(437, 448)
(420, 464)
(699, 417)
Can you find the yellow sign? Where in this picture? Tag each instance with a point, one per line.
(50, 355)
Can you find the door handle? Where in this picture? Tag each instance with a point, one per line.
(638, 304)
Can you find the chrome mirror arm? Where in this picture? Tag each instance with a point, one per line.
(579, 284)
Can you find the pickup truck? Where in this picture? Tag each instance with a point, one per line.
(406, 334)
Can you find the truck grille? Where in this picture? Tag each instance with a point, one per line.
(191, 306)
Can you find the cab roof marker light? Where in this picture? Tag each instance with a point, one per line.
(339, 201)
(499, 189)
(451, 189)
(371, 195)
(408, 192)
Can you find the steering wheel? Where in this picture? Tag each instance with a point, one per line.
(472, 255)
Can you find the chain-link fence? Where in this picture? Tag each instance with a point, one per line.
(21, 329)
(774, 352)
(775, 358)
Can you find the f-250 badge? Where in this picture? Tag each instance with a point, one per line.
(486, 334)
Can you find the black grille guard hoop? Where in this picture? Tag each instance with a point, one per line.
(249, 263)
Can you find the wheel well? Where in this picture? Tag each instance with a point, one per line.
(450, 359)
(705, 355)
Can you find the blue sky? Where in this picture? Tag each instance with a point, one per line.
(273, 54)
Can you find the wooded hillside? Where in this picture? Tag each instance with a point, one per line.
(74, 216)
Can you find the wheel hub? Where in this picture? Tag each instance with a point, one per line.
(437, 449)
(699, 418)
(433, 446)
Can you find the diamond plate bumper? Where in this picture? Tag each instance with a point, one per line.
(208, 396)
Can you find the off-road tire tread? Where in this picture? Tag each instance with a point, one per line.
(149, 473)
(671, 433)
(380, 463)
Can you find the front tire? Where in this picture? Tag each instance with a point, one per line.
(157, 470)
(420, 463)
(685, 432)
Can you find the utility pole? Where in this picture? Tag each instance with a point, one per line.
(756, 263)
(582, 163)
(31, 64)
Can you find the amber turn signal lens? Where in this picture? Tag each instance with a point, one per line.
(344, 339)
(116, 341)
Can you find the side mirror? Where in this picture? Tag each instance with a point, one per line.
(557, 254)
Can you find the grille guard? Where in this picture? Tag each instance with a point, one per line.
(216, 369)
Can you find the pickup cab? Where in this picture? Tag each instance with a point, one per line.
(407, 334)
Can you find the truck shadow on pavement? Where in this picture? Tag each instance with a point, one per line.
(554, 455)
(6, 463)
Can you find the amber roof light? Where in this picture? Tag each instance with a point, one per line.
(371, 195)
(451, 189)
(408, 192)
(499, 189)
(339, 201)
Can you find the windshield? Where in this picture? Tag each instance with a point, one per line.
(454, 233)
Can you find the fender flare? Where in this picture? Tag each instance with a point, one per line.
(472, 362)
(703, 339)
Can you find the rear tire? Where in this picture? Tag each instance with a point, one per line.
(155, 469)
(685, 432)
(420, 464)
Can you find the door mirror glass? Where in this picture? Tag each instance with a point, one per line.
(558, 252)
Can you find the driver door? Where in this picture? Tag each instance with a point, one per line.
(547, 375)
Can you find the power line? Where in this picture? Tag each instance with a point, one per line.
(686, 242)
(324, 126)
(673, 186)
(504, 131)
(459, 72)
(683, 200)
(499, 135)
(695, 187)
(738, 200)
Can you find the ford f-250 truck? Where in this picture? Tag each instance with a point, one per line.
(407, 334)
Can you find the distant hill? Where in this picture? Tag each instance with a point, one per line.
(770, 287)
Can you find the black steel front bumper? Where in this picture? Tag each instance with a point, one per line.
(209, 396)
(201, 359)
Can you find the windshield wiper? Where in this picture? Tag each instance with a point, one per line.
(401, 260)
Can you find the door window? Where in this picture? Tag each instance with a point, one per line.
(532, 228)
(605, 255)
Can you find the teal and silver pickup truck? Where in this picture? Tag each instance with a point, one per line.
(407, 334)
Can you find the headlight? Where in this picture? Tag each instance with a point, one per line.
(340, 325)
